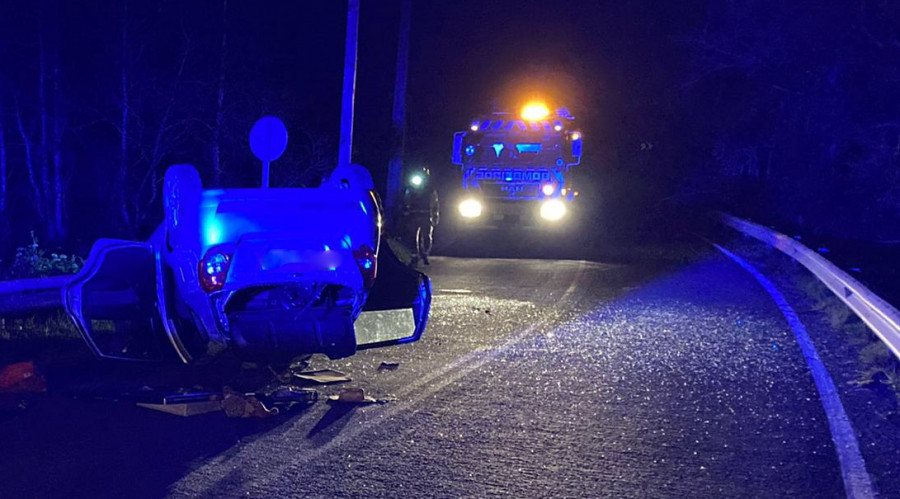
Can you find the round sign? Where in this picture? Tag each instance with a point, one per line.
(268, 138)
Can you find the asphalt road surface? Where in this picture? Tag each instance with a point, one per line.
(536, 378)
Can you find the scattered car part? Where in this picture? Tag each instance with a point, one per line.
(22, 377)
(321, 377)
(185, 409)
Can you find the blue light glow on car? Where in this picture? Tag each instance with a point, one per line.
(212, 232)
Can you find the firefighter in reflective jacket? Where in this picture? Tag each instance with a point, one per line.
(420, 213)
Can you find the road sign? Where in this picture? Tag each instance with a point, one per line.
(268, 140)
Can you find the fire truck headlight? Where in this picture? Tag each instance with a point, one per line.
(553, 210)
(416, 180)
(470, 208)
(548, 189)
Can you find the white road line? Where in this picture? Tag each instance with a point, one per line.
(454, 291)
(218, 468)
(857, 483)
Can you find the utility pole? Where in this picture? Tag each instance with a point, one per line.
(398, 116)
(346, 144)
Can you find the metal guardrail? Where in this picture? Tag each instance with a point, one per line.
(879, 315)
(30, 295)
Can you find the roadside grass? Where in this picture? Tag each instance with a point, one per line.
(29, 336)
(876, 362)
(53, 325)
(37, 336)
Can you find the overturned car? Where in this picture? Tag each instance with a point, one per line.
(270, 273)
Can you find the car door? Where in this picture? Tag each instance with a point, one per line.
(397, 306)
(113, 301)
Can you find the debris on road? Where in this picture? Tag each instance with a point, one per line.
(181, 402)
(875, 380)
(185, 409)
(352, 395)
(22, 377)
(11, 406)
(299, 363)
(288, 397)
(293, 394)
(355, 395)
(322, 377)
(150, 395)
(388, 366)
(264, 403)
(240, 405)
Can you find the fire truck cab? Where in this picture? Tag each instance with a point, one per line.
(518, 170)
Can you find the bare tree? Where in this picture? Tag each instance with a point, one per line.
(777, 93)
(155, 139)
(45, 165)
(3, 167)
(44, 144)
(218, 167)
(313, 157)
(59, 189)
(29, 164)
(154, 117)
(122, 174)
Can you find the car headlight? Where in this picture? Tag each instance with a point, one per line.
(553, 210)
(470, 208)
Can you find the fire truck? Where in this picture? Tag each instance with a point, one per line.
(517, 169)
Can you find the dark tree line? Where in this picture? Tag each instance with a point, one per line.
(795, 107)
(98, 98)
(785, 111)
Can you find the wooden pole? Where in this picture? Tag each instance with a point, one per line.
(345, 150)
(395, 168)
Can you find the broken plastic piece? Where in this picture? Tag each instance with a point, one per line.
(352, 395)
(239, 405)
(157, 396)
(185, 409)
(387, 365)
(322, 377)
(292, 395)
(22, 377)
